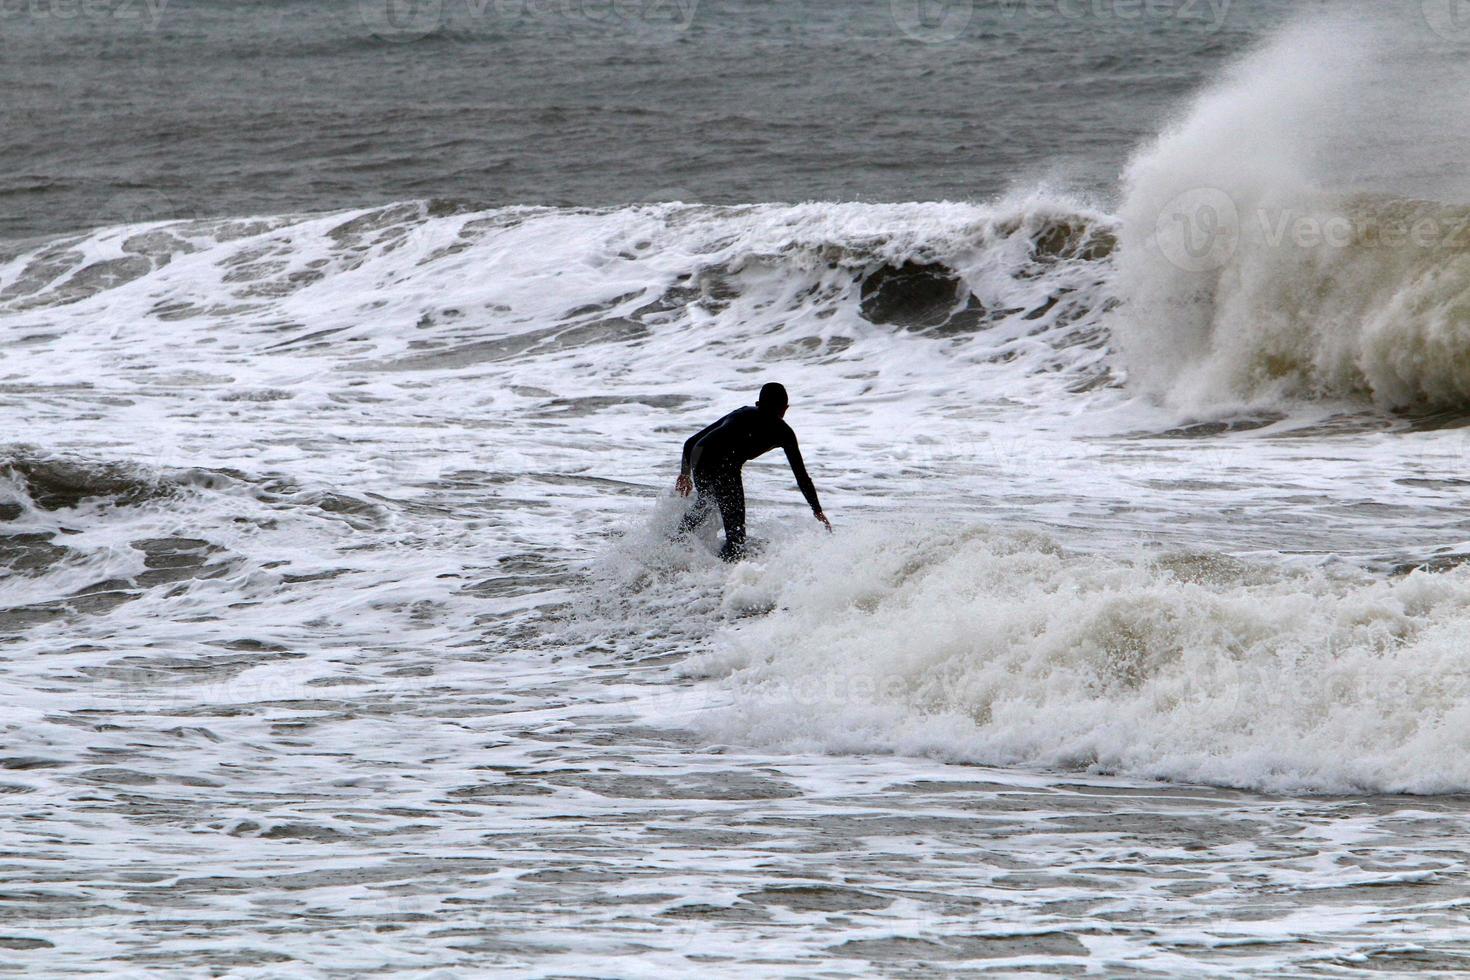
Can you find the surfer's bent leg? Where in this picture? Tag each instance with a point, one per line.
(730, 498)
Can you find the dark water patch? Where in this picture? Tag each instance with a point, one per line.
(159, 244)
(243, 271)
(172, 559)
(311, 340)
(1433, 484)
(704, 839)
(597, 309)
(807, 347)
(57, 483)
(354, 511)
(495, 947)
(957, 948)
(817, 898)
(1157, 830)
(167, 560)
(35, 339)
(589, 405)
(304, 831)
(499, 790)
(99, 597)
(118, 776)
(531, 343)
(621, 487)
(182, 731)
(24, 762)
(378, 226)
(30, 553)
(156, 674)
(1436, 421)
(573, 876)
(293, 579)
(710, 289)
(1096, 381)
(1206, 430)
(252, 645)
(25, 943)
(1403, 963)
(408, 869)
(925, 787)
(921, 296)
(692, 786)
(351, 509)
(339, 681)
(1436, 565)
(1068, 240)
(1344, 424)
(46, 283)
(519, 585)
(736, 914)
(218, 960)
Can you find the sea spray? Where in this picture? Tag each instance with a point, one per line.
(1295, 234)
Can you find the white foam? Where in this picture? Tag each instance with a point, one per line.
(969, 645)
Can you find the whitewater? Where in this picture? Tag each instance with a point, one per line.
(344, 631)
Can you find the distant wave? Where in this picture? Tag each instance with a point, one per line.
(432, 286)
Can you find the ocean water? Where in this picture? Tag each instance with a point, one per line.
(134, 110)
(342, 628)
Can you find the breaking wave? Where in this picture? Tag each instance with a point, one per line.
(1288, 239)
(1005, 649)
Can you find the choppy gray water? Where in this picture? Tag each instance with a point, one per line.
(119, 110)
(340, 628)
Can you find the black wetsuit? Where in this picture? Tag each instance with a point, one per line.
(714, 456)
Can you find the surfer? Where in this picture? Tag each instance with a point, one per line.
(713, 458)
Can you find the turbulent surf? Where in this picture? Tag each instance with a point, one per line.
(338, 574)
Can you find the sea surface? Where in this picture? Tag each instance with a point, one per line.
(347, 351)
(133, 110)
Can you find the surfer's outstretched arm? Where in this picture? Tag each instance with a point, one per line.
(798, 469)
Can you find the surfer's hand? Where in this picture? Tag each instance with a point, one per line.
(683, 485)
(823, 518)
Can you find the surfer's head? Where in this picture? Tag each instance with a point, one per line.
(773, 398)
